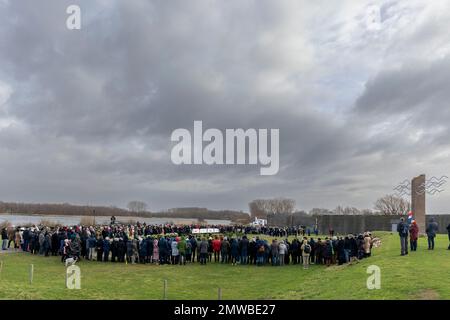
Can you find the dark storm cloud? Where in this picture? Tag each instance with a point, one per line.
(86, 115)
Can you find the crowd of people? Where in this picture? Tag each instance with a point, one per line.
(171, 244)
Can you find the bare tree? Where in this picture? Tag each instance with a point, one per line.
(257, 208)
(262, 207)
(392, 205)
(137, 206)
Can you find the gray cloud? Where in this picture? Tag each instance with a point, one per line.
(86, 116)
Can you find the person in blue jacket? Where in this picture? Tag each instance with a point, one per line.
(234, 251)
(106, 247)
(163, 250)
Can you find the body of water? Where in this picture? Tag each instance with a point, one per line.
(18, 219)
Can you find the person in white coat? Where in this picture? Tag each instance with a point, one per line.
(282, 248)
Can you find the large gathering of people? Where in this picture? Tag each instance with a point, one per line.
(177, 244)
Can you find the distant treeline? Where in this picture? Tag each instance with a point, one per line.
(79, 210)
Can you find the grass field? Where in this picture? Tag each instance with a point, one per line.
(420, 275)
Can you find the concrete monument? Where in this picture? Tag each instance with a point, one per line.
(418, 201)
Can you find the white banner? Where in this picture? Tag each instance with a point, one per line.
(209, 230)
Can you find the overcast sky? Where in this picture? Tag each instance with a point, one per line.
(86, 115)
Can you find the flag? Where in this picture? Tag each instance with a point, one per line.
(410, 217)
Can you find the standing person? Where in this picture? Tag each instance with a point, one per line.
(182, 251)
(260, 252)
(341, 251)
(106, 248)
(65, 250)
(47, 244)
(282, 249)
(403, 230)
(99, 248)
(274, 251)
(252, 251)
(295, 251)
(431, 231)
(189, 250)
(234, 248)
(162, 246)
(203, 250)
(18, 239)
(193, 246)
(155, 255)
(149, 253)
(129, 256)
(26, 235)
(41, 243)
(367, 244)
(306, 251)
(11, 232)
(175, 252)
(448, 230)
(91, 242)
(327, 252)
(55, 243)
(224, 250)
(210, 249)
(243, 246)
(413, 235)
(216, 248)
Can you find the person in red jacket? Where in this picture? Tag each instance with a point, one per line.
(413, 235)
(216, 248)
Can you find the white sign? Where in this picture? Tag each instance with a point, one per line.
(204, 230)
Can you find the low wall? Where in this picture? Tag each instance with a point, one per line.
(344, 224)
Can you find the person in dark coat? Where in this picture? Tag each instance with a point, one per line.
(106, 249)
(149, 247)
(341, 251)
(163, 250)
(122, 249)
(295, 251)
(403, 231)
(193, 242)
(234, 247)
(224, 250)
(55, 243)
(252, 252)
(114, 249)
(448, 231)
(327, 252)
(243, 249)
(431, 231)
(353, 249)
(203, 251)
(47, 244)
(26, 239)
(99, 248)
(318, 249)
(4, 239)
(143, 251)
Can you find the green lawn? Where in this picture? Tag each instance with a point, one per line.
(420, 275)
